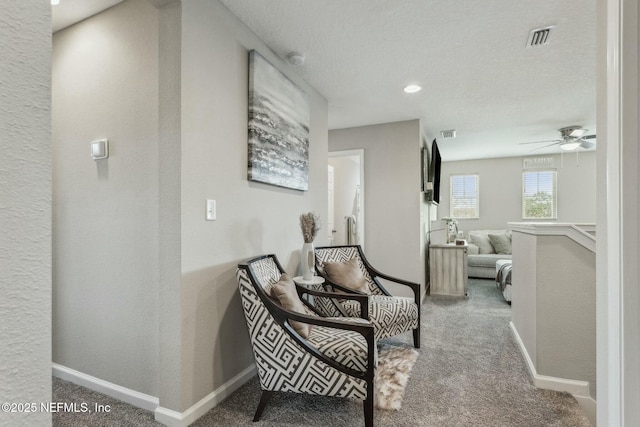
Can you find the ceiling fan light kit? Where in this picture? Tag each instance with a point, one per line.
(568, 146)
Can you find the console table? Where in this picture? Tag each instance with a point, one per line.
(448, 269)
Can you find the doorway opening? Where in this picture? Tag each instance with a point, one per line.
(345, 223)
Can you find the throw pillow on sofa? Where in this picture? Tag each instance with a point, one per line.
(501, 243)
(481, 240)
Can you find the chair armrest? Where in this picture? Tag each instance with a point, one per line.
(415, 287)
(361, 298)
(328, 282)
(359, 326)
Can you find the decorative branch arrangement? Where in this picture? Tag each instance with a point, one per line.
(309, 224)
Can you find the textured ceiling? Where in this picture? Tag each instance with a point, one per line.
(68, 12)
(470, 57)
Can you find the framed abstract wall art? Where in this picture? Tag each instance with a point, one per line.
(279, 118)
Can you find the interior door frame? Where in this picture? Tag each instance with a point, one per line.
(618, 159)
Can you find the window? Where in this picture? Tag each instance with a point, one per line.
(464, 201)
(539, 195)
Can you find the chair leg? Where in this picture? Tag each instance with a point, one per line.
(416, 337)
(368, 410)
(264, 399)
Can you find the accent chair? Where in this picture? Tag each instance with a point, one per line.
(297, 349)
(346, 270)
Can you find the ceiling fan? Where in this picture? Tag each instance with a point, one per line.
(571, 138)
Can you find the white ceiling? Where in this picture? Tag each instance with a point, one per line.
(68, 12)
(468, 55)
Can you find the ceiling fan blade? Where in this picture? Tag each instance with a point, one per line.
(540, 142)
(545, 146)
(588, 136)
(587, 144)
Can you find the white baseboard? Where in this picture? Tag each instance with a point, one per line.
(166, 416)
(173, 418)
(589, 406)
(132, 397)
(578, 389)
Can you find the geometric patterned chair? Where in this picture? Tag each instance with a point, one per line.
(390, 315)
(337, 357)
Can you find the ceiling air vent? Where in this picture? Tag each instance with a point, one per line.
(539, 37)
(446, 134)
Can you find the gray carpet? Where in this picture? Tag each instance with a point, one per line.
(120, 414)
(469, 373)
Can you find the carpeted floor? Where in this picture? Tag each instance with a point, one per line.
(469, 373)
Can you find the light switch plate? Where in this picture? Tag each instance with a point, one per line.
(211, 210)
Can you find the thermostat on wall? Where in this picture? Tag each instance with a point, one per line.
(100, 149)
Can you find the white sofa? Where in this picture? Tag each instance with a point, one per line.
(485, 248)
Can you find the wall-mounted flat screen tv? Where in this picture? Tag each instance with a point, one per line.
(435, 171)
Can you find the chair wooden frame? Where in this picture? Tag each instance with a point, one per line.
(283, 318)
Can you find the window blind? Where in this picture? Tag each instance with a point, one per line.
(539, 198)
(464, 200)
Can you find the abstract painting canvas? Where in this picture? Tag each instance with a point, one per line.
(278, 127)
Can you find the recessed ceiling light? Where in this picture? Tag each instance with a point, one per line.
(55, 2)
(295, 58)
(412, 88)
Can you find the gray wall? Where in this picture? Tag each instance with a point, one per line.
(145, 292)
(501, 190)
(170, 247)
(105, 212)
(524, 309)
(253, 218)
(394, 226)
(554, 305)
(566, 320)
(25, 208)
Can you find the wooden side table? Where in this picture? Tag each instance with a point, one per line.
(448, 269)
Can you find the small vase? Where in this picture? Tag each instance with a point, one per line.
(307, 261)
